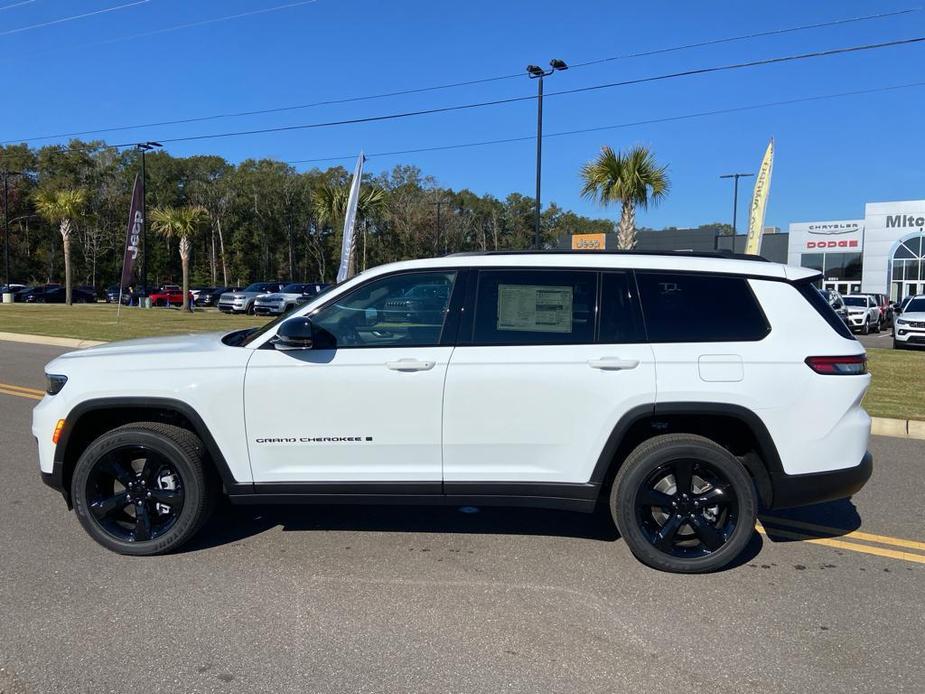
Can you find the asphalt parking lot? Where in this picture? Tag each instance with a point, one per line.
(395, 599)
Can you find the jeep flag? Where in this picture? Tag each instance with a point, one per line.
(759, 202)
(133, 235)
(347, 245)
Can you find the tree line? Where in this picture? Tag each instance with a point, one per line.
(260, 219)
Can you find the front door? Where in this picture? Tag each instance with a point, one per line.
(533, 391)
(365, 402)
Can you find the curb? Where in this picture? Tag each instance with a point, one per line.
(51, 341)
(900, 428)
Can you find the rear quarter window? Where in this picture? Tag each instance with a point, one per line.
(698, 307)
(823, 308)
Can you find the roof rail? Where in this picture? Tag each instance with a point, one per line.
(724, 254)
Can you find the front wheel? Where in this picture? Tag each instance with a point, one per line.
(142, 488)
(865, 329)
(684, 504)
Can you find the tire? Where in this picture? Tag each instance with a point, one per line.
(249, 310)
(865, 329)
(897, 344)
(695, 538)
(110, 479)
(879, 326)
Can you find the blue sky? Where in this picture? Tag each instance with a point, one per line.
(833, 155)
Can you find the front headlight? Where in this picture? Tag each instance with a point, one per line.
(55, 383)
(900, 321)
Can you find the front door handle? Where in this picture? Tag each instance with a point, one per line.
(410, 365)
(613, 363)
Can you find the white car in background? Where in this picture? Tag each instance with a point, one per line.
(288, 298)
(909, 324)
(863, 313)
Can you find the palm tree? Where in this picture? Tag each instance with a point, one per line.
(62, 207)
(183, 223)
(330, 207)
(632, 179)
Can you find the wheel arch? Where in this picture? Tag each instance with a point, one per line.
(735, 427)
(91, 418)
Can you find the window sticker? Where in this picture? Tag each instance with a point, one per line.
(535, 308)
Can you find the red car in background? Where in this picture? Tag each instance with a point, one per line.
(169, 295)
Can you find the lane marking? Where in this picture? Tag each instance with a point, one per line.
(841, 544)
(19, 394)
(24, 389)
(854, 534)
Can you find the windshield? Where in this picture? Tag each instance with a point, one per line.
(856, 301)
(915, 306)
(256, 287)
(293, 288)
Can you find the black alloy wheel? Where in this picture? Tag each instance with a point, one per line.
(135, 494)
(687, 509)
(683, 503)
(143, 488)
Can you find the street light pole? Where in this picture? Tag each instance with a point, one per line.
(6, 224)
(144, 147)
(735, 207)
(538, 73)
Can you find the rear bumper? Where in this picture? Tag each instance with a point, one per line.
(816, 487)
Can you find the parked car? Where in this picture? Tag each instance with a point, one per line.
(113, 292)
(31, 294)
(863, 313)
(194, 291)
(291, 296)
(243, 301)
(837, 303)
(168, 295)
(886, 309)
(210, 296)
(58, 295)
(12, 288)
(909, 327)
(582, 381)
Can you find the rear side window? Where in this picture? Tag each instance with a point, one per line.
(534, 307)
(621, 320)
(823, 308)
(680, 307)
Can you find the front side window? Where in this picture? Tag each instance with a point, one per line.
(405, 310)
(680, 307)
(534, 307)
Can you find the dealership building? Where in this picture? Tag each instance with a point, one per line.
(879, 254)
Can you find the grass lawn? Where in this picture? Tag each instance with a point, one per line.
(98, 321)
(897, 390)
(898, 386)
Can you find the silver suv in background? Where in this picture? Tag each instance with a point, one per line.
(243, 301)
(288, 298)
(863, 313)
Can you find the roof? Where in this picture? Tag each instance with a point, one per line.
(724, 263)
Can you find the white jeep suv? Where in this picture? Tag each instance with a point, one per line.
(909, 324)
(864, 313)
(563, 380)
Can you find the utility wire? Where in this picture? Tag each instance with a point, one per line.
(16, 4)
(578, 90)
(72, 18)
(432, 88)
(651, 121)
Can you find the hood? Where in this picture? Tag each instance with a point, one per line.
(856, 309)
(917, 316)
(275, 296)
(154, 346)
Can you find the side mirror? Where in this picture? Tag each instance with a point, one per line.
(295, 333)
(897, 309)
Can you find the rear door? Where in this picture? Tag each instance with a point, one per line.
(537, 382)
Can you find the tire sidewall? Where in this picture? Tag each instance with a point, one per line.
(635, 471)
(192, 480)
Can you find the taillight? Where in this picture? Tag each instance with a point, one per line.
(853, 365)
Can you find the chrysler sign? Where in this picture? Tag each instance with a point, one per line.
(828, 237)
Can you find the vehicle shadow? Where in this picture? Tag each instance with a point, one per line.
(232, 524)
(830, 519)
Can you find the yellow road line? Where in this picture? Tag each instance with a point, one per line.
(20, 394)
(24, 389)
(854, 534)
(841, 544)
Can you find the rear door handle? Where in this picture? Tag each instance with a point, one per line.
(410, 365)
(613, 363)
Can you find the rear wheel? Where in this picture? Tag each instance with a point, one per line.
(684, 504)
(143, 488)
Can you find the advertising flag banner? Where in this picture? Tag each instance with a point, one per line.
(347, 246)
(760, 202)
(133, 234)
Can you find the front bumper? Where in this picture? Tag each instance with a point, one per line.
(269, 309)
(816, 487)
(909, 335)
(856, 320)
(236, 306)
